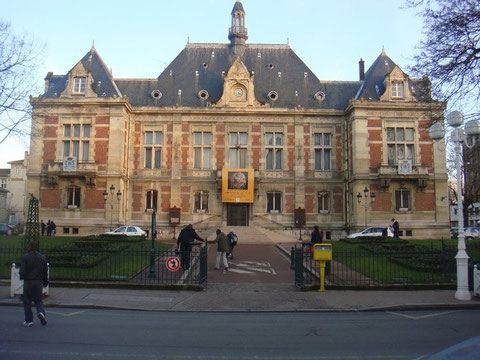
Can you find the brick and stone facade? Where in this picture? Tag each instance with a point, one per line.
(164, 141)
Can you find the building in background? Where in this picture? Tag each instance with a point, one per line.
(238, 134)
(17, 187)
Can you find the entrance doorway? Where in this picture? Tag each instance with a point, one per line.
(237, 215)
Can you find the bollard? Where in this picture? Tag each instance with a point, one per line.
(292, 258)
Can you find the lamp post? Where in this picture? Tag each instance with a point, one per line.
(373, 197)
(437, 132)
(105, 197)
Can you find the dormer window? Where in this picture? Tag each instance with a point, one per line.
(397, 90)
(79, 84)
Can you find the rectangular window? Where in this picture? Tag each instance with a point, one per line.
(200, 201)
(273, 151)
(153, 142)
(4, 184)
(397, 89)
(79, 84)
(238, 150)
(76, 141)
(202, 150)
(66, 230)
(151, 200)
(323, 151)
(402, 199)
(400, 145)
(274, 202)
(323, 202)
(73, 197)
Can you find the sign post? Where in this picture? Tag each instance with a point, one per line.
(299, 219)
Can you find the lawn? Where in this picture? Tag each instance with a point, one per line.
(393, 262)
(83, 259)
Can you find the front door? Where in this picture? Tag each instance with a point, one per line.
(237, 215)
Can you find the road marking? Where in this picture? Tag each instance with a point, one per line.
(252, 267)
(67, 314)
(423, 316)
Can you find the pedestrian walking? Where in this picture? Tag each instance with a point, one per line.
(49, 227)
(317, 235)
(43, 227)
(223, 246)
(34, 273)
(233, 240)
(185, 239)
(396, 228)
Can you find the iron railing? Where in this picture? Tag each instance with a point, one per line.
(131, 265)
(376, 267)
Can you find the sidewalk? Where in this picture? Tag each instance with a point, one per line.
(248, 296)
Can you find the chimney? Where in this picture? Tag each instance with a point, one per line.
(361, 69)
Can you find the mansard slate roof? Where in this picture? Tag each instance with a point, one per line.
(202, 66)
(374, 85)
(103, 85)
(275, 67)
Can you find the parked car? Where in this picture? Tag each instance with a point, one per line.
(372, 231)
(472, 233)
(128, 231)
(5, 229)
(14, 229)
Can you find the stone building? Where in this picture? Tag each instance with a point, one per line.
(238, 134)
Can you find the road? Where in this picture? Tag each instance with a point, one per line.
(115, 334)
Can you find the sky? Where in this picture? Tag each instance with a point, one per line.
(138, 39)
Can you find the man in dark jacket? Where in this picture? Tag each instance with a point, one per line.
(185, 239)
(396, 228)
(34, 273)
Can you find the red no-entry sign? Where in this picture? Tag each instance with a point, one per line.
(173, 263)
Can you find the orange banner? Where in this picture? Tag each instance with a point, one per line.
(237, 185)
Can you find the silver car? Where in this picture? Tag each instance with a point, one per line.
(128, 231)
(472, 233)
(372, 231)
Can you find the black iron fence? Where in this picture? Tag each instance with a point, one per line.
(136, 264)
(380, 265)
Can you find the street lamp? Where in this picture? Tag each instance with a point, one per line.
(373, 197)
(105, 197)
(437, 132)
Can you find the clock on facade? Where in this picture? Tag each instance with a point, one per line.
(238, 92)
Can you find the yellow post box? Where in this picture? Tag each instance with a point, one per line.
(322, 253)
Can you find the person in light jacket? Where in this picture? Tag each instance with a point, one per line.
(223, 247)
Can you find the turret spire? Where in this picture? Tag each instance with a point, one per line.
(238, 33)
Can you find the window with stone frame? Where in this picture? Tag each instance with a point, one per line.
(398, 89)
(200, 203)
(274, 202)
(238, 150)
(400, 145)
(3, 183)
(151, 198)
(402, 199)
(323, 199)
(274, 150)
(152, 145)
(322, 143)
(79, 84)
(202, 149)
(73, 197)
(76, 141)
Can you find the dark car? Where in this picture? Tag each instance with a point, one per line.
(5, 229)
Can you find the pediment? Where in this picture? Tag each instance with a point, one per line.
(238, 87)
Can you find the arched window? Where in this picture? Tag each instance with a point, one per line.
(151, 200)
(73, 197)
(274, 202)
(323, 202)
(200, 201)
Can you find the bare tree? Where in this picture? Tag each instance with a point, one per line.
(18, 62)
(449, 54)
